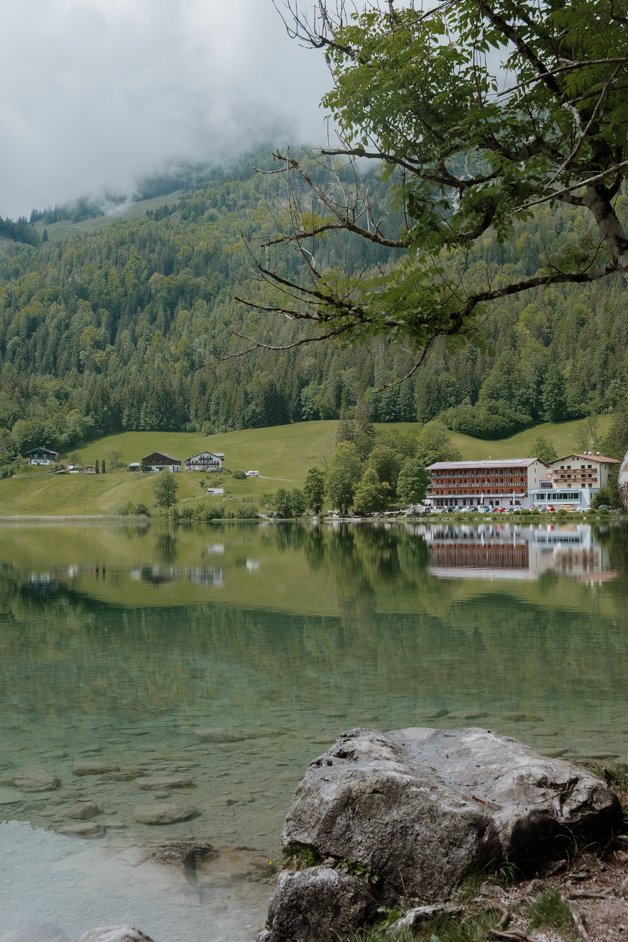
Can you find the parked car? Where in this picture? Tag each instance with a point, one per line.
(252, 474)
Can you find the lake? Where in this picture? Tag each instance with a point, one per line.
(204, 667)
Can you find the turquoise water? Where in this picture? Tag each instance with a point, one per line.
(203, 668)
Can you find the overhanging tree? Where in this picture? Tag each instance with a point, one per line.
(477, 112)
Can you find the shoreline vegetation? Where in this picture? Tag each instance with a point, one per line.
(284, 455)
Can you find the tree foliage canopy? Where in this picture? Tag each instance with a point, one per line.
(476, 111)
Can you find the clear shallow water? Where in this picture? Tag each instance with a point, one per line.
(205, 667)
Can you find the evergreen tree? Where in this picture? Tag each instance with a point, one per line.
(553, 395)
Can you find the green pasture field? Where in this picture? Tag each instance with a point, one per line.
(281, 454)
(66, 229)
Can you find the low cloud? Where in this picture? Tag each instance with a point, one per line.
(96, 93)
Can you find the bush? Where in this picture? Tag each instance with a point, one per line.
(239, 475)
(487, 420)
(243, 511)
(135, 509)
(205, 513)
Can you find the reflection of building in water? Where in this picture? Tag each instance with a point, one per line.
(513, 552)
(212, 576)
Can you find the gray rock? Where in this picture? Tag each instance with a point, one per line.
(622, 482)
(159, 782)
(84, 829)
(317, 905)
(94, 768)
(82, 811)
(163, 814)
(36, 780)
(412, 812)
(10, 796)
(114, 934)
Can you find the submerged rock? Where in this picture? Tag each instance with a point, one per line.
(159, 813)
(114, 934)
(84, 829)
(10, 796)
(219, 734)
(162, 782)
(36, 780)
(82, 811)
(412, 812)
(94, 768)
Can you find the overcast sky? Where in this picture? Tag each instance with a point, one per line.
(96, 93)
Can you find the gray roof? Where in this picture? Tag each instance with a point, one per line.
(460, 465)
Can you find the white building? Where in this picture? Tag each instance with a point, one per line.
(490, 484)
(205, 461)
(573, 481)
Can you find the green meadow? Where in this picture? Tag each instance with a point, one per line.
(281, 454)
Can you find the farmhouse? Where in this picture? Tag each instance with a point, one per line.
(42, 456)
(159, 462)
(491, 484)
(205, 461)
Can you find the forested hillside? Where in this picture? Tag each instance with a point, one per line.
(134, 328)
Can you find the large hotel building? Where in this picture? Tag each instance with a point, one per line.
(478, 484)
(518, 482)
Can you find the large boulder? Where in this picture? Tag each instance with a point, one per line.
(413, 812)
(622, 482)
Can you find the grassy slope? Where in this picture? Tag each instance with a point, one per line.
(66, 229)
(281, 454)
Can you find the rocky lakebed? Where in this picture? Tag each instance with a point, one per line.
(404, 832)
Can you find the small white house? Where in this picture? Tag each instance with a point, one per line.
(216, 491)
(252, 474)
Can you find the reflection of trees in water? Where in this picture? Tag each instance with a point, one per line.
(166, 547)
(358, 559)
(85, 657)
(615, 540)
(286, 537)
(442, 643)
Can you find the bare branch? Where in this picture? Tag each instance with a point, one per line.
(560, 194)
(560, 69)
(585, 130)
(278, 348)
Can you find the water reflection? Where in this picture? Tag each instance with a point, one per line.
(232, 655)
(360, 562)
(517, 552)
